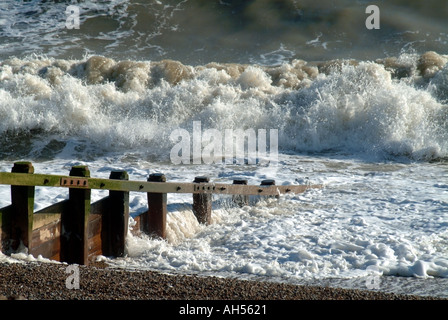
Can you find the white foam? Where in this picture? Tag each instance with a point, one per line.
(359, 109)
(315, 235)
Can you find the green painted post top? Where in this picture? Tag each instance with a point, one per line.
(157, 177)
(119, 175)
(240, 181)
(268, 182)
(23, 167)
(201, 179)
(80, 171)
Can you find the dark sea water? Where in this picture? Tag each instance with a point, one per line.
(363, 111)
(199, 32)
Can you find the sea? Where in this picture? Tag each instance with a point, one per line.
(356, 90)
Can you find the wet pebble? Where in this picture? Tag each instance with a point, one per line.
(38, 281)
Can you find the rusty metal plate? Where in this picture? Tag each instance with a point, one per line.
(204, 187)
(75, 182)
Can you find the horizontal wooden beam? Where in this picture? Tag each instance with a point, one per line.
(46, 180)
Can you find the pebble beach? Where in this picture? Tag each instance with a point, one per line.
(47, 281)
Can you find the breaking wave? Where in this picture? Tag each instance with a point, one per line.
(388, 107)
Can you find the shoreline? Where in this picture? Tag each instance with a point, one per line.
(47, 281)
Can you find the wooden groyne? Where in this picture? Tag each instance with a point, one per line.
(76, 230)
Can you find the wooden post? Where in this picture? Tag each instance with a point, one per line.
(202, 203)
(155, 223)
(22, 198)
(269, 182)
(239, 199)
(74, 220)
(115, 219)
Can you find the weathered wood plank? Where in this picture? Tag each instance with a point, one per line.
(46, 240)
(94, 241)
(94, 247)
(49, 214)
(153, 187)
(94, 225)
(98, 207)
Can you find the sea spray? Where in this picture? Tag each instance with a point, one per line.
(359, 107)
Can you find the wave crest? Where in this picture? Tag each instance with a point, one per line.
(393, 106)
